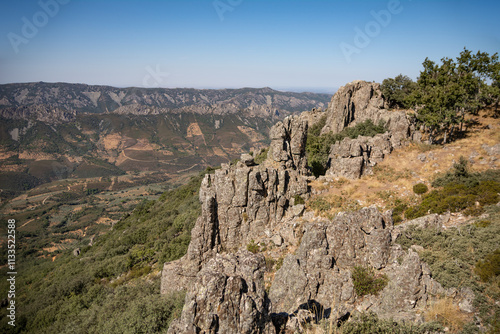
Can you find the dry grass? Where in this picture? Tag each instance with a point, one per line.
(447, 314)
(402, 169)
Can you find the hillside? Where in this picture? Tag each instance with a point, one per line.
(262, 246)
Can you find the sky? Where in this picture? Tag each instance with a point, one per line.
(298, 45)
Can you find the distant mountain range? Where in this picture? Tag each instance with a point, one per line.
(51, 131)
(62, 101)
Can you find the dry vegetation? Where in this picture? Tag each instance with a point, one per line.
(393, 179)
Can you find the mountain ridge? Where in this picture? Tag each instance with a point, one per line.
(83, 98)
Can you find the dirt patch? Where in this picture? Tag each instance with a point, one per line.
(112, 142)
(219, 152)
(29, 155)
(253, 135)
(194, 130)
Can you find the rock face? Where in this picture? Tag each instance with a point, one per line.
(227, 297)
(359, 101)
(288, 142)
(355, 102)
(241, 203)
(352, 104)
(246, 202)
(352, 158)
(320, 270)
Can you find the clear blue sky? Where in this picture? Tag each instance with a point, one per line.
(283, 44)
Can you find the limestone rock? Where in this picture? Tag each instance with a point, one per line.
(240, 203)
(247, 159)
(352, 158)
(359, 101)
(228, 297)
(288, 143)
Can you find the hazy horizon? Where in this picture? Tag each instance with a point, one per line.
(299, 45)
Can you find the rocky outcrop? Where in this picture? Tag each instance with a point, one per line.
(288, 142)
(246, 202)
(227, 297)
(354, 103)
(243, 202)
(359, 101)
(352, 158)
(320, 270)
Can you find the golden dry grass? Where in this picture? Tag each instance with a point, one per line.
(447, 314)
(395, 177)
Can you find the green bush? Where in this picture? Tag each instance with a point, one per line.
(297, 199)
(319, 204)
(454, 255)
(262, 156)
(253, 247)
(460, 190)
(398, 211)
(489, 267)
(420, 189)
(366, 282)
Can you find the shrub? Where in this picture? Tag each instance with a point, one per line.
(279, 263)
(262, 156)
(270, 263)
(319, 204)
(297, 199)
(483, 223)
(420, 189)
(366, 282)
(253, 247)
(489, 267)
(460, 190)
(398, 211)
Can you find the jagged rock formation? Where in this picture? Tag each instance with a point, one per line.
(227, 297)
(352, 158)
(359, 101)
(320, 270)
(241, 203)
(244, 202)
(354, 103)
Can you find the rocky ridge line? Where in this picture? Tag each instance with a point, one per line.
(245, 202)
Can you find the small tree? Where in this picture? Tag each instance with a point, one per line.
(445, 93)
(397, 91)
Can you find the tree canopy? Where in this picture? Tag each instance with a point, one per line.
(446, 92)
